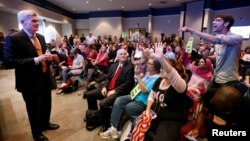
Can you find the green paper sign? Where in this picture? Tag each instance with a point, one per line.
(124, 34)
(189, 46)
(135, 91)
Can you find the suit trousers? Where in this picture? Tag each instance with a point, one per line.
(38, 105)
(105, 104)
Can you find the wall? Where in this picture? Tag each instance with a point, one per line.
(165, 24)
(105, 26)
(242, 17)
(58, 28)
(49, 29)
(17, 5)
(52, 31)
(82, 24)
(113, 26)
(194, 18)
(133, 22)
(82, 27)
(67, 30)
(8, 21)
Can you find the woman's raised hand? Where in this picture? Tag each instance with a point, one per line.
(158, 54)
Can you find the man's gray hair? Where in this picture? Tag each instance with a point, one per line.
(120, 51)
(25, 14)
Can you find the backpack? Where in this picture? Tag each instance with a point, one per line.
(73, 87)
(93, 119)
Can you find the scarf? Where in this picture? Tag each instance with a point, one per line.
(142, 125)
(204, 72)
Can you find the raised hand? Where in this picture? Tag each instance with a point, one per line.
(185, 29)
(158, 54)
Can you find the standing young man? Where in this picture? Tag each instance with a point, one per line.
(24, 51)
(227, 51)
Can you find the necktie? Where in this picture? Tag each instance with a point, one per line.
(39, 51)
(112, 83)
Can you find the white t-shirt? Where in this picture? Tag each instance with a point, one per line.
(90, 40)
(246, 57)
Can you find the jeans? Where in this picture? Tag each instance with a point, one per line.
(125, 105)
(66, 74)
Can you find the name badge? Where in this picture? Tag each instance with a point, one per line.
(135, 91)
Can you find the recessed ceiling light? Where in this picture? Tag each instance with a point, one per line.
(99, 9)
(122, 7)
(87, 1)
(163, 2)
(74, 9)
(149, 4)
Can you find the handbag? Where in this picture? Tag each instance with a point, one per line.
(242, 88)
(93, 119)
(247, 94)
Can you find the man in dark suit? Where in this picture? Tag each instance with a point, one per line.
(111, 89)
(24, 51)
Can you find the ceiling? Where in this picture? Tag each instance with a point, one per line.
(86, 6)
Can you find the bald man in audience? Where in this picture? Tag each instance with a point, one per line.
(225, 111)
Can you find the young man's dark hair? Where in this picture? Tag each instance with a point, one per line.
(226, 18)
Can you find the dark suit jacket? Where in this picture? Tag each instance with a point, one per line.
(125, 81)
(19, 53)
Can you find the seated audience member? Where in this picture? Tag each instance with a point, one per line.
(132, 106)
(102, 61)
(63, 53)
(1, 49)
(63, 50)
(91, 54)
(139, 63)
(76, 41)
(75, 69)
(182, 55)
(201, 76)
(118, 81)
(85, 49)
(203, 50)
(246, 56)
(138, 55)
(247, 78)
(168, 100)
(78, 45)
(245, 62)
(169, 55)
(226, 111)
(112, 53)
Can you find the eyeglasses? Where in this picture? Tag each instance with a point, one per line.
(137, 59)
(218, 20)
(150, 63)
(201, 61)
